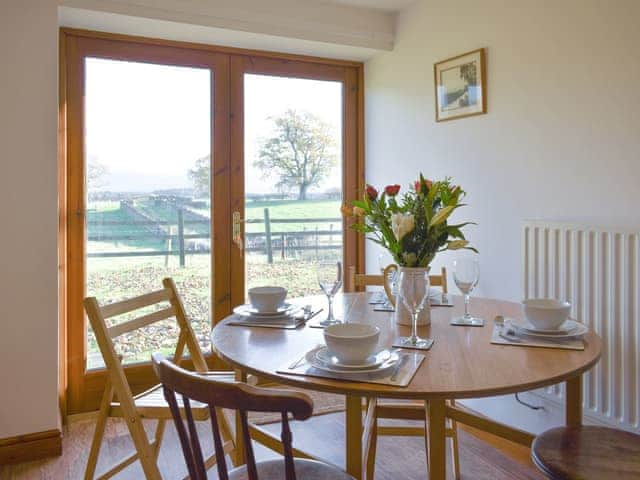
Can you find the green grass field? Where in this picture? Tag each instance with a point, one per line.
(115, 278)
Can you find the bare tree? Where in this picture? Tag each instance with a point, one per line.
(300, 153)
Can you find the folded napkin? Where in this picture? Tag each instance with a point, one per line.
(572, 343)
(287, 323)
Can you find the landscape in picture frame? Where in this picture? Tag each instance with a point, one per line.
(460, 86)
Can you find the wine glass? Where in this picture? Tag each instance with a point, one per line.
(414, 292)
(466, 274)
(330, 281)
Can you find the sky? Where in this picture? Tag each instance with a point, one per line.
(148, 124)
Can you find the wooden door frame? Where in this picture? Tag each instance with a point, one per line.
(227, 180)
(351, 79)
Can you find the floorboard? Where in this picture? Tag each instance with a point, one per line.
(398, 457)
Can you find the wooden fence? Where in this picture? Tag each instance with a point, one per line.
(178, 243)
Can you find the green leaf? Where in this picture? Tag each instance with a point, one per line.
(442, 215)
(457, 244)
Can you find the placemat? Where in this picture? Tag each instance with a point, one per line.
(439, 300)
(522, 341)
(399, 375)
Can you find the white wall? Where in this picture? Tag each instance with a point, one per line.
(561, 139)
(28, 217)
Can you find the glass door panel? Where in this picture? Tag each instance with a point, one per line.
(148, 198)
(293, 159)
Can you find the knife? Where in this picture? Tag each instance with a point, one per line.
(402, 361)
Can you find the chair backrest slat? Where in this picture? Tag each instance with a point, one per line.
(249, 457)
(195, 441)
(131, 304)
(141, 322)
(236, 396)
(185, 442)
(356, 280)
(289, 469)
(221, 461)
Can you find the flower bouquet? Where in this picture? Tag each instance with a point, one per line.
(414, 228)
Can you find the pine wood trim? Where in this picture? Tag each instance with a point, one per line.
(32, 446)
(62, 228)
(80, 389)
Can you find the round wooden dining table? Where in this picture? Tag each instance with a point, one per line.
(462, 363)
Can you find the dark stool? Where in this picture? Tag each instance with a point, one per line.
(586, 453)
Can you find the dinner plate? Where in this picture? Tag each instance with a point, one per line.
(570, 329)
(565, 327)
(326, 356)
(247, 310)
(320, 365)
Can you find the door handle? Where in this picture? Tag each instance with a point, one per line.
(236, 231)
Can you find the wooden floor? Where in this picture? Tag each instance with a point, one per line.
(398, 458)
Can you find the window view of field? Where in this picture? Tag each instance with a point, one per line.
(148, 200)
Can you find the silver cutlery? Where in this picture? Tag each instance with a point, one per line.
(509, 335)
(308, 314)
(396, 370)
(298, 362)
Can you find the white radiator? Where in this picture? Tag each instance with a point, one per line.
(598, 271)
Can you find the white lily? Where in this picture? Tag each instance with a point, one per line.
(401, 224)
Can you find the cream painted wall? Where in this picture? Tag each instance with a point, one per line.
(561, 139)
(28, 217)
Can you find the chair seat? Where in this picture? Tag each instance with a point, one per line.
(152, 404)
(588, 452)
(274, 469)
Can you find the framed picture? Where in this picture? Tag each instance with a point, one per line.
(461, 88)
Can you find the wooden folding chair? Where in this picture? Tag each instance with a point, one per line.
(150, 404)
(376, 409)
(360, 280)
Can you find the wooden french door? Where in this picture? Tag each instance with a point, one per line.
(153, 174)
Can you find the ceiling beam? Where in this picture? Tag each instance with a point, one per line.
(309, 21)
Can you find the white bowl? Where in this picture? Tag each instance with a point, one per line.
(546, 313)
(267, 299)
(352, 342)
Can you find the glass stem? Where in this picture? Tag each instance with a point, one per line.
(414, 328)
(466, 305)
(330, 314)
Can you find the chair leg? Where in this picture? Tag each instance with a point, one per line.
(96, 443)
(143, 449)
(426, 436)
(98, 434)
(371, 458)
(158, 436)
(370, 438)
(455, 455)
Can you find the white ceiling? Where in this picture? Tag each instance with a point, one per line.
(388, 5)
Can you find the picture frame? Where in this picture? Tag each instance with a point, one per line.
(460, 86)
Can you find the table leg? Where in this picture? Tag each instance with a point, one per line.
(573, 402)
(436, 439)
(238, 457)
(354, 436)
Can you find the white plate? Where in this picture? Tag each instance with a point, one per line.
(314, 362)
(247, 310)
(565, 327)
(570, 329)
(324, 355)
